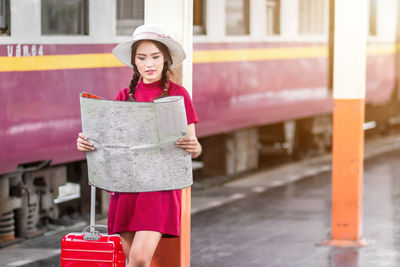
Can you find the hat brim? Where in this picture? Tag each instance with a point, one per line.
(123, 51)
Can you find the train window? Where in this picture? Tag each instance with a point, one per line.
(130, 14)
(372, 18)
(273, 16)
(65, 17)
(198, 17)
(312, 17)
(4, 17)
(237, 17)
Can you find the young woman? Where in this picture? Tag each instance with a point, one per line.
(142, 219)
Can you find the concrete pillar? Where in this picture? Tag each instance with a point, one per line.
(175, 17)
(350, 36)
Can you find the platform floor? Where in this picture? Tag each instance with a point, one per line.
(274, 218)
(281, 226)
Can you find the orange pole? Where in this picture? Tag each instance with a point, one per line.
(175, 252)
(349, 68)
(185, 227)
(347, 171)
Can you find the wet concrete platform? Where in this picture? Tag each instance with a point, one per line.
(282, 226)
(273, 218)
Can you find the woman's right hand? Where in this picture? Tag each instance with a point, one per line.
(83, 144)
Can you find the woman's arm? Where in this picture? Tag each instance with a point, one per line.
(190, 144)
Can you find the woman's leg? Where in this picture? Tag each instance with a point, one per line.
(143, 247)
(126, 240)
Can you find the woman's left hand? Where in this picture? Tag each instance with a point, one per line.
(191, 145)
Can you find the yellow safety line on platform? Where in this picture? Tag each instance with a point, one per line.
(107, 60)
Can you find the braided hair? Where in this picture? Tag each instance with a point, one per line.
(165, 74)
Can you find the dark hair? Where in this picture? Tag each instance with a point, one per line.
(166, 72)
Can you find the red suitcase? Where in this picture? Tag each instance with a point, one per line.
(92, 248)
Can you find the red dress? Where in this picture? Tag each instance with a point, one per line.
(158, 211)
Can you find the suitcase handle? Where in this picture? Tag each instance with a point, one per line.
(92, 235)
(93, 227)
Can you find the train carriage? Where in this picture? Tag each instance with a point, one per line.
(261, 77)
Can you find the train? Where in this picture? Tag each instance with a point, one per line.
(261, 82)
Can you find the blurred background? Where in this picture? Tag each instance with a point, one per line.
(262, 87)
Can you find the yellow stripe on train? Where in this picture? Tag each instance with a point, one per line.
(57, 62)
(278, 53)
(257, 54)
(382, 49)
(107, 60)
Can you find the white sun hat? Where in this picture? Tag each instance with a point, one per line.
(149, 32)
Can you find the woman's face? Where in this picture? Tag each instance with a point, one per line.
(149, 61)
